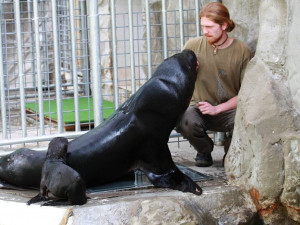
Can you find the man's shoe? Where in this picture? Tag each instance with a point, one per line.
(203, 159)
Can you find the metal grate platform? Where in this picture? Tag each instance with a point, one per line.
(139, 180)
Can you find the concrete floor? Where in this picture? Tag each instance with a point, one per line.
(225, 201)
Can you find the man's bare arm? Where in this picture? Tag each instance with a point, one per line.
(208, 109)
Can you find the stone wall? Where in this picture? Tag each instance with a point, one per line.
(264, 157)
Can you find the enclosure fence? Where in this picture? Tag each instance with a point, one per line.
(66, 65)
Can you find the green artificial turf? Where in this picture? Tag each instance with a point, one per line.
(68, 108)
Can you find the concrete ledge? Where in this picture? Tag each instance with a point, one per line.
(145, 206)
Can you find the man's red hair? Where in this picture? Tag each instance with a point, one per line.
(218, 13)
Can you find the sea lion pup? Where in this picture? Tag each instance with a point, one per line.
(59, 179)
(134, 137)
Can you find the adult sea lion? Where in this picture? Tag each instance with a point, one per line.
(59, 179)
(134, 137)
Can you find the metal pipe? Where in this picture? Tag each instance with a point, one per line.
(4, 42)
(181, 24)
(41, 138)
(2, 90)
(94, 37)
(219, 138)
(44, 49)
(164, 29)
(197, 18)
(20, 65)
(31, 34)
(114, 50)
(34, 95)
(148, 28)
(43, 86)
(84, 47)
(65, 48)
(74, 65)
(38, 65)
(131, 41)
(57, 69)
(70, 135)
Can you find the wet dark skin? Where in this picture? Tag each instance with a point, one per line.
(63, 182)
(134, 137)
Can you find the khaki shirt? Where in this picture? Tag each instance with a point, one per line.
(220, 75)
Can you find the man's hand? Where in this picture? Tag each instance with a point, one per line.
(207, 109)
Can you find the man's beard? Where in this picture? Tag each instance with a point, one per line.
(213, 40)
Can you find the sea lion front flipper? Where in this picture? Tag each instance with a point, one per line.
(176, 180)
(162, 172)
(37, 198)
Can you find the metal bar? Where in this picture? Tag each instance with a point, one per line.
(38, 65)
(114, 50)
(2, 90)
(95, 60)
(44, 50)
(4, 42)
(70, 135)
(181, 24)
(20, 65)
(41, 138)
(57, 68)
(29, 8)
(139, 49)
(34, 95)
(131, 41)
(197, 19)
(65, 48)
(44, 86)
(148, 28)
(74, 65)
(164, 29)
(5, 70)
(219, 138)
(84, 47)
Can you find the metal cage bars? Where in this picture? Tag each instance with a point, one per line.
(95, 65)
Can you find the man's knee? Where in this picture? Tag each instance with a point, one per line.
(190, 128)
(190, 124)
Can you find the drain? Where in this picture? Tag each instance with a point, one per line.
(138, 180)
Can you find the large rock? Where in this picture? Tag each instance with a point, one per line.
(264, 157)
(155, 211)
(290, 196)
(293, 50)
(259, 154)
(215, 206)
